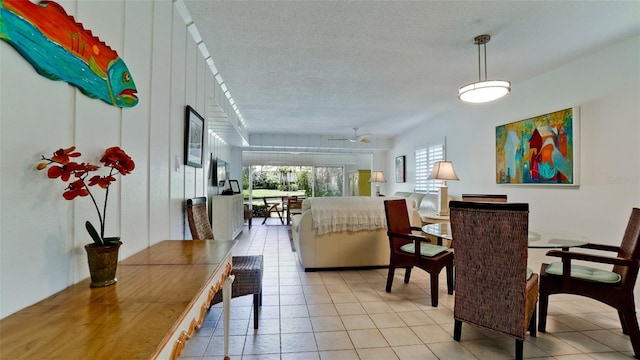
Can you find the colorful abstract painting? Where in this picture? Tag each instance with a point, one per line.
(59, 48)
(539, 150)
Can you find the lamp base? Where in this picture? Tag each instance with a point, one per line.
(377, 189)
(443, 201)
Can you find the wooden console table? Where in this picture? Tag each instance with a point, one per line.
(160, 299)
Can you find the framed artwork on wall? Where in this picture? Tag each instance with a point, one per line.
(235, 186)
(193, 138)
(400, 168)
(542, 150)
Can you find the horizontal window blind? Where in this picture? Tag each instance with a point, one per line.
(424, 160)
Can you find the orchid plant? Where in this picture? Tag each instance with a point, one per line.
(76, 174)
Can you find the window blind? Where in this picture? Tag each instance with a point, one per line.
(425, 158)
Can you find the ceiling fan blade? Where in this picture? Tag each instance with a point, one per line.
(356, 137)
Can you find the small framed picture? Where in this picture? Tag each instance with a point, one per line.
(193, 138)
(235, 187)
(400, 172)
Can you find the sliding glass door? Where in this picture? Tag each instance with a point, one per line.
(328, 181)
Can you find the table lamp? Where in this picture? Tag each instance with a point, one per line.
(443, 170)
(377, 177)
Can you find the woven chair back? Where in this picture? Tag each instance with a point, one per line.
(490, 241)
(199, 219)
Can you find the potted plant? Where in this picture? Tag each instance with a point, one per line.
(102, 254)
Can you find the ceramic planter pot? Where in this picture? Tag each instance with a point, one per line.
(103, 263)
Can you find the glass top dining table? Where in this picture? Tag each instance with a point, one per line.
(537, 239)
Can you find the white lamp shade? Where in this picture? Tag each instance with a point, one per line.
(443, 170)
(484, 91)
(377, 176)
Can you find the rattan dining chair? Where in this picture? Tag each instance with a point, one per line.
(409, 250)
(248, 270)
(494, 288)
(614, 288)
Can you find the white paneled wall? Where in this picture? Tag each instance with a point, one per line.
(135, 129)
(161, 159)
(41, 234)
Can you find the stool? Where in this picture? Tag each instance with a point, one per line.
(248, 272)
(248, 215)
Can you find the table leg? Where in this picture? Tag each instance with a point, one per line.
(226, 307)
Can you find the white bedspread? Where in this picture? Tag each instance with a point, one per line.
(354, 213)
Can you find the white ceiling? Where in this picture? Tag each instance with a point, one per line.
(324, 67)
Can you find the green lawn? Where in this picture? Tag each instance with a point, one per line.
(258, 193)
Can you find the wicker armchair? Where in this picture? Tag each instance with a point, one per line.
(614, 288)
(409, 250)
(494, 288)
(247, 270)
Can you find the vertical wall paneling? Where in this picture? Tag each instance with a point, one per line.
(161, 158)
(190, 93)
(161, 161)
(135, 127)
(97, 127)
(200, 103)
(177, 125)
(36, 226)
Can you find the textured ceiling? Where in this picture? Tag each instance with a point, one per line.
(324, 67)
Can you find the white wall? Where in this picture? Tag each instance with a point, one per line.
(606, 86)
(41, 234)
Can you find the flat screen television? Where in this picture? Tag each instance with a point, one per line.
(221, 170)
(217, 171)
(213, 168)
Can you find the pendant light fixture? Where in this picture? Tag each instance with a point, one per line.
(483, 90)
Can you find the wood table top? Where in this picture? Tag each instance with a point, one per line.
(187, 252)
(127, 320)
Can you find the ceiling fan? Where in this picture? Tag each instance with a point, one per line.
(356, 137)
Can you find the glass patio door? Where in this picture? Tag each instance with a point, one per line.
(328, 181)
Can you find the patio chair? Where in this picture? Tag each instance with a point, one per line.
(294, 206)
(272, 207)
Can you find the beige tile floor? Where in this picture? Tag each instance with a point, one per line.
(346, 315)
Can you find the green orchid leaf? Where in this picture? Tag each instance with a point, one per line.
(94, 234)
(112, 241)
